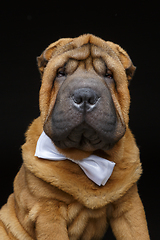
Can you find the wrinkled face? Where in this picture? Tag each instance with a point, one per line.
(84, 110)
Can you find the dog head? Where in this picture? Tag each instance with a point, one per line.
(84, 96)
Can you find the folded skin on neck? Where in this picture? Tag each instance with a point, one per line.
(96, 168)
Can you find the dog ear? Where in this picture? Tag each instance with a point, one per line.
(125, 60)
(43, 59)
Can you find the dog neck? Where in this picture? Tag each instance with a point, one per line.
(71, 179)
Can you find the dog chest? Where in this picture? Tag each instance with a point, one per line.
(85, 223)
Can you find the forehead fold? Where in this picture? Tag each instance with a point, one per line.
(78, 44)
(86, 46)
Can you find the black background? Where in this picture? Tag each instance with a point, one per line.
(27, 30)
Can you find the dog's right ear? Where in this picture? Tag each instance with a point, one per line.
(43, 59)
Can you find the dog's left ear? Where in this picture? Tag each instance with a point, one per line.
(124, 58)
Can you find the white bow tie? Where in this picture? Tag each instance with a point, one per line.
(96, 168)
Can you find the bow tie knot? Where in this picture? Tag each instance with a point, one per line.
(96, 168)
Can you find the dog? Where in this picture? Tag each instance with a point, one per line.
(80, 160)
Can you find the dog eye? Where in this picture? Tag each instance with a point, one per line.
(61, 72)
(109, 74)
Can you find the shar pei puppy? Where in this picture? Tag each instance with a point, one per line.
(80, 160)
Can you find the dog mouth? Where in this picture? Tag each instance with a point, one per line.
(83, 137)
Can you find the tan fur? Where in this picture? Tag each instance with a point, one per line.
(55, 199)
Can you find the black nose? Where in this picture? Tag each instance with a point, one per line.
(85, 99)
